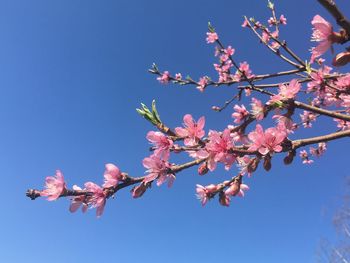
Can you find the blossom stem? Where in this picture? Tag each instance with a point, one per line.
(275, 51)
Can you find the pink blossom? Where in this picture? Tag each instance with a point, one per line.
(317, 82)
(193, 131)
(322, 33)
(112, 175)
(229, 51)
(275, 45)
(158, 168)
(269, 141)
(97, 199)
(265, 37)
(161, 142)
(307, 117)
(205, 193)
(305, 157)
(257, 109)
(243, 69)
(202, 83)
(240, 113)
(77, 201)
(283, 20)
(245, 23)
(322, 147)
(219, 147)
(237, 188)
(286, 91)
(164, 78)
(243, 164)
(271, 21)
(285, 121)
(343, 125)
(211, 37)
(345, 100)
(343, 82)
(178, 76)
(55, 186)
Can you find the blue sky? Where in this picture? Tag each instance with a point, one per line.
(72, 74)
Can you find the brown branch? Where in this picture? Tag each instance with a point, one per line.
(128, 181)
(329, 137)
(314, 109)
(275, 51)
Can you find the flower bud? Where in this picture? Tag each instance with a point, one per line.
(267, 163)
(139, 190)
(341, 59)
(215, 108)
(224, 199)
(203, 169)
(233, 188)
(289, 158)
(253, 165)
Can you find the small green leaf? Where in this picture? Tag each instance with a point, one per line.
(155, 112)
(211, 28)
(270, 5)
(308, 67)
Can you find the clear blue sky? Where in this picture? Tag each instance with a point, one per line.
(72, 74)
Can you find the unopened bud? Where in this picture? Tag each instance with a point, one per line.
(215, 108)
(203, 169)
(253, 165)
(233, 188)
(224, 199)
(341, 59)
(139, 190)
(289, 158)
(267, 163)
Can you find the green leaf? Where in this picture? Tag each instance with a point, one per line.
(211, 28)
(155, 112)
(270, 5)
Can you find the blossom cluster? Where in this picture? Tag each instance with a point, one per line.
(249, 138)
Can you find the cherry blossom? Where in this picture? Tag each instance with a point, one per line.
(161, 142)
(240, 113)
(305, 157)
(257, 109)
(112, 175)
(322, 33)
(322, 147)
(286, 91)
(55, 186)
(211, 37)
(202, 83)
(158, 168)
(219, 147)
(342, 125)
(205, 193)
(164, 78)
(268, 141)
(193, 131)
(178, 76)
(97, 199)
(283, 20)
(307, 117)
(78, 201)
